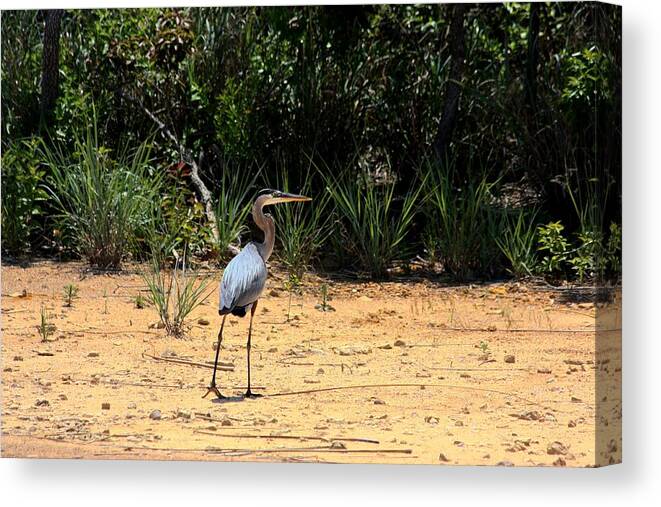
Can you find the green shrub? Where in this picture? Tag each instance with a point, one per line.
(177, 220)
(592, 256)
(555, 246)
(102, 201)
(375, 223)
(462, 222)
(518, 242)
(614, 249)
(233, 205)
(302, 229)
(597, 257)
(175, 294)
(22, 195)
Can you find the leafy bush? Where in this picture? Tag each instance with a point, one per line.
(540, 88)
(556, 247)
(22, 195)
(614, 249)
(102, 201)
(21, 63)
(592, 256)
(375, 223)
(178, 219)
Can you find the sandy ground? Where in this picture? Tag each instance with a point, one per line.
(417, 387)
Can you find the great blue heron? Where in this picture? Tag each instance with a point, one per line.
(244, 277)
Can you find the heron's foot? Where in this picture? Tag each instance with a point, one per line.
(214, 389)
(250, 394)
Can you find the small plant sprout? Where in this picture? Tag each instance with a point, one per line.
(486, 353)
(45, 327)
(507, 315)
(452, 308)
(324, 306)
(70, 294)
(140, 302)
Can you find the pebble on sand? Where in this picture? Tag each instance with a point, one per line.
(184, 414)
(556, 448)
(155, 415)
(352, 350)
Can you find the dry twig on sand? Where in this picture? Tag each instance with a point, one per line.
(221, 366)
(376, 386)
(291, 437)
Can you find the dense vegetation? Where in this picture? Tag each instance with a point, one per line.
(482, 139)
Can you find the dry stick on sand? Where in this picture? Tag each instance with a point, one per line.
(487, 330)
(221, 366)
(88, 330)
(290, 437)
(374, 386)
(9, 312)
(476, 369)
(284, 449)
(314, 449)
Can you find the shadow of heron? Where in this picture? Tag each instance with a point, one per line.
(229, 399)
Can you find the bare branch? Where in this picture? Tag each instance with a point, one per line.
(202, 191)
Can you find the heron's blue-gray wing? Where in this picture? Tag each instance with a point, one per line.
(243, 281)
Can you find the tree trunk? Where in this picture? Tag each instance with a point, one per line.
(454, 83)
(533, 52)
(50, 64)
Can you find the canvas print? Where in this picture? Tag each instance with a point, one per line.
(328, 234)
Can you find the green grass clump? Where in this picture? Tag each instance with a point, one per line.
(375, 222)
(45, 328)
(302, 228)
(462, 222)
(175, 294)
(518, 243)
(233, 205)
(102, 200)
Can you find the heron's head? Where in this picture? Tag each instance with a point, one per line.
(270, 196)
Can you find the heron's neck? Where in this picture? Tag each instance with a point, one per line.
(266, 224)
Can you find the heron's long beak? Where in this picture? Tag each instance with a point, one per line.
(289, 198)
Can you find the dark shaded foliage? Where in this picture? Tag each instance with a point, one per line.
(528, 96)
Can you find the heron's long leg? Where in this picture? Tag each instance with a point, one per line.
(212, 387)
(249, 393)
